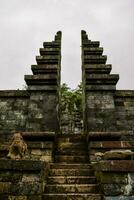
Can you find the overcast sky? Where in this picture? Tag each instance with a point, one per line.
(25, 24)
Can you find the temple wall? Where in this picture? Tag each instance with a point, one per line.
(100, 111)
(43, 112)
(124, 105)
(13, 112)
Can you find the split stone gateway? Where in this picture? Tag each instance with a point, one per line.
(96, 163)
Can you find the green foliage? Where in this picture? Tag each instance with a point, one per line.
(71, 99)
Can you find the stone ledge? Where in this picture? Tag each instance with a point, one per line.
(40, 145)
(124, 93)
(112, 145)
(47, 57)
(100, 87)
(21, 188)
(31, 145)
(72, 196)
(93, 49)
(98, 68)
(14, 93)
(51, 44)
(43, 88)
(41, 79)
(45, 60)
(46, 66)
(89, 43)
(115, 166)
(21, 165)
(91, 59)
(43, 69)
(97, 79)
(49, 136)
(49, 51)
(95, 57)
(102, 136)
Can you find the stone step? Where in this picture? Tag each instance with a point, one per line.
(74, 152)
(93, 51)
(98, 68)
(71, 172)
(51, 45)
(44, 69)
(106, 136)
(70, 166)
(74, 138)
(49, 51)
(89, 44)
(72, 188)
(71, 180)
(47, 59)
(72, 196)
(102, 79)
(90, 59)
(71, 146)
(112, 145)
(41, 79)
(71, 159)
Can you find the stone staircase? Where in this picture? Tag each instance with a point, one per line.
(71, 176)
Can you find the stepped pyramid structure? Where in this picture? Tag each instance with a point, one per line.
(39, 162)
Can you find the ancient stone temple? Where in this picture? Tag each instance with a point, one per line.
(39, 162)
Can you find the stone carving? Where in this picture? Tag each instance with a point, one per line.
(118, 155)
(18, 147)
(114, 155)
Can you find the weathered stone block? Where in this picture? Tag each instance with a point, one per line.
(111, 145)
(118, 155)
(112, 189)
(21, 165)
(100, 100)
(112, 178)
(115, 166)
(30, 178)
(29, 188)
